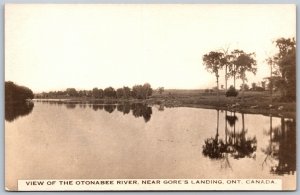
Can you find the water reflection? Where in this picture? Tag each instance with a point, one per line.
(236, 144)
(231, 138)
(231, 119)
(14, 110)
(97, 107)
(109, 108)
(70, 105)
(125, 108)
(281, 151)
(138, 109)
(141, 110)
(214, 147)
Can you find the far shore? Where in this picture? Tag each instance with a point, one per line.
(253, 103)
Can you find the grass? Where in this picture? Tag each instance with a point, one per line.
(253, 101)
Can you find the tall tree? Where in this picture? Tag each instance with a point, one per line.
(214, 62)
(243, 62)
(226, 62)
(232, 72)
(285, 64)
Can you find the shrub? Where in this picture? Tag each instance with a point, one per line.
(231, 92)
(16, 93)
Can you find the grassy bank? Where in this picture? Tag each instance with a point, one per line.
(254, 102)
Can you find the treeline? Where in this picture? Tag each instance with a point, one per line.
(15, 93)
(137, 92)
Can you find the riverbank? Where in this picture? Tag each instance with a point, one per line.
(253, 103)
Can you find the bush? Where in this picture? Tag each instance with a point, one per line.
(231, 92)
(16, 93)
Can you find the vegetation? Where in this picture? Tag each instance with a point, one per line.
(137, 92)
(15, 93)
(232, 92)
(142, 91)
(243, 62)
(236, 144)
(213, 62)
(160, 90)
(17, 109)
(237, 63)
(283, 78)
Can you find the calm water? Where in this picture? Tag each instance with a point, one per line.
(55, 140)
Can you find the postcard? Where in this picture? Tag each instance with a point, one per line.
(150, 97)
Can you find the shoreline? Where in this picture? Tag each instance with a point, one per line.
(280, 109)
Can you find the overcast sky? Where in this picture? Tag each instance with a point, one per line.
(53, 47)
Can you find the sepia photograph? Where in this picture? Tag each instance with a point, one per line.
(150, 97)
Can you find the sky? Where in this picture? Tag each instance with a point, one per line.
(54, 47)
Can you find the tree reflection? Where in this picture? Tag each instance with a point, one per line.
(138, 109)
(242, 146)
(97, 107)
(70, 105)
(14, 110)
(82, 105)
(141, 110)
(236, 144)
(281, 151)
(109, 108)
(214, 147)
(231, 119)
(125, 108)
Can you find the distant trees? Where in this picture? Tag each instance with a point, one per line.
(72, 92)
(109, 92)
(256, 87)
(138, 92)
(142, 91)
(160, 90)
(245, 87)
(16, 93)
(147, 90)
(126, 92)
(97, 93)
(120, 93)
